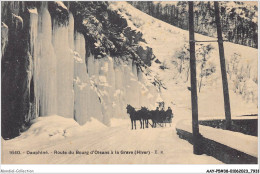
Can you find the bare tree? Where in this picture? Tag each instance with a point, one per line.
(206, 69)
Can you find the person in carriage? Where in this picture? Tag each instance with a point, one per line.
(161, 117)
(169, 115)
(156, 115)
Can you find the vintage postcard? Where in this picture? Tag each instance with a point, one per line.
(131, 82)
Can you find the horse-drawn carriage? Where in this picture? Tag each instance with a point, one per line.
(158, 117)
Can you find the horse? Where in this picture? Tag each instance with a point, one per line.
(155, 117)
(135, 115)
(147, 115)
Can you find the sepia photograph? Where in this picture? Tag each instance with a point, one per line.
(129, 82)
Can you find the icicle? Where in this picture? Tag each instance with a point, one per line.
(33, 52)
(4, 37)
(46, 65)
(17, 20)
(80, 80)
(71, 32)
(134, 69)
(91, 66)
(87, 103)
(65, 69)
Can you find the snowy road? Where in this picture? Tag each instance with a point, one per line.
(170, 149)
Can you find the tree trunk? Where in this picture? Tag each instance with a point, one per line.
(223, 68)
(194, 101)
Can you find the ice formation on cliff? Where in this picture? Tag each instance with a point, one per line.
(72, 85)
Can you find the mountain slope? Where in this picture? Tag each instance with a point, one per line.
(238, 18)
(170, 45)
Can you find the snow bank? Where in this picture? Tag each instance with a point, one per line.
(244, 143)
(55, 128)
(233, 118)
(93, 124)
(51, 127)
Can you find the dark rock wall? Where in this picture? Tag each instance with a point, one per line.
(105, 32)
(17, 96)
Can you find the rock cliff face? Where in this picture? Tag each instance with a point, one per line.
(17, 82)
(78, 60)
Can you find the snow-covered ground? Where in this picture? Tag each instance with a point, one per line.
(236, 140)
(168, 41)
(63, 134)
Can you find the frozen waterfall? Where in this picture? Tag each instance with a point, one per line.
(45, 62)
(69, 84)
